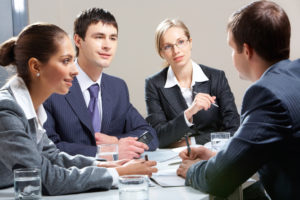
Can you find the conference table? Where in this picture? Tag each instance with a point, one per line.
(156, 191)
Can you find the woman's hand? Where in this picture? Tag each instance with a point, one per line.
(111, 164)
(202, 101)
(139, 166)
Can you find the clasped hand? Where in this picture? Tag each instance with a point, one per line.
(129, 147)
(202, 101)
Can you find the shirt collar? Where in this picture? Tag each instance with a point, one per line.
(84, 80)
(198, 76)
(23, 98)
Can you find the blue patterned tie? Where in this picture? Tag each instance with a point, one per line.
(93, 107)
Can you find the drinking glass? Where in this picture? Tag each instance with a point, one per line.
(133, 187)
(219, 139)
(108, 152)
(27, 183)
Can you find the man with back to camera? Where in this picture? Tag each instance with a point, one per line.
(268, 139)
(71, 125)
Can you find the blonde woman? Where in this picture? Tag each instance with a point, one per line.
(186, 98)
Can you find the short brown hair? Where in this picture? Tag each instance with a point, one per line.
(92, 16)
(265, 27)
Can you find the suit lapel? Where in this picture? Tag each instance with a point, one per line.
(76, 101)
(175, 99)
(107, 99)
(202, 87)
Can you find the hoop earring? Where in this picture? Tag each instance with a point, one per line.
(37, 74)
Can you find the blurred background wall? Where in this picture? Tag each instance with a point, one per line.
(136, 57)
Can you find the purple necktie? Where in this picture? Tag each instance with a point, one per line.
(93, 107)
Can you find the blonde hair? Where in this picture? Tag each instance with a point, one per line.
(164, 26)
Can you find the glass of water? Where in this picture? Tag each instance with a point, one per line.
(133, 187)
(109, 152)
(27, 183)
(218, 140)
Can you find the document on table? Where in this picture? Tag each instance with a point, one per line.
(168, 178)
(161, 155)
(166, 175)
(168, 181)
(168, 162)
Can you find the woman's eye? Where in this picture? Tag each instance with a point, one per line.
(66, 61)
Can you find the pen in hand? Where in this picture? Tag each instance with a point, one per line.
(214, 104)
(146, 157)
(188, 145)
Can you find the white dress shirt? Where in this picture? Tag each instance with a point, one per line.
(23, 98)
(187, 93)
(85, 82)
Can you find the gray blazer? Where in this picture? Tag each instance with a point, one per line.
(60, 172)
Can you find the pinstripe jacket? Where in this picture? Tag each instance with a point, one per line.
(60, 172)
(69, 125)
(268, 140)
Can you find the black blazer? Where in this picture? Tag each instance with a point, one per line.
(165, 107)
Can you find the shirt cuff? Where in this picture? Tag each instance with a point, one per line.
(95, 163)
(189, 124)
(193, 140)
(115, 176)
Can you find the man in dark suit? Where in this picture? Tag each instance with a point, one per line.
(268, 139)
(80, 120)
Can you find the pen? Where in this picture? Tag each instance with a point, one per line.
(146, 157)
(175, 163)
(195, 93)
(188, 145)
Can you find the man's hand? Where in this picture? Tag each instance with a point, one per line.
(130, 148)
(105, 139)
(197, 153)
(184, 166)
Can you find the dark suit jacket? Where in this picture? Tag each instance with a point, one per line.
(69, 124)
(268, 140)
(165, 108)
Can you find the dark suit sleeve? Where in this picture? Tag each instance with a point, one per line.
(168, 131)
(136, 124)
(230, 118)
(68, 147)
(257, 142)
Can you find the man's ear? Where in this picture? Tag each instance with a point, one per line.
(34, 67)
(248, 50)
(77, 40)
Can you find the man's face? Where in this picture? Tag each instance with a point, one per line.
(239, 58)
(99, 45)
